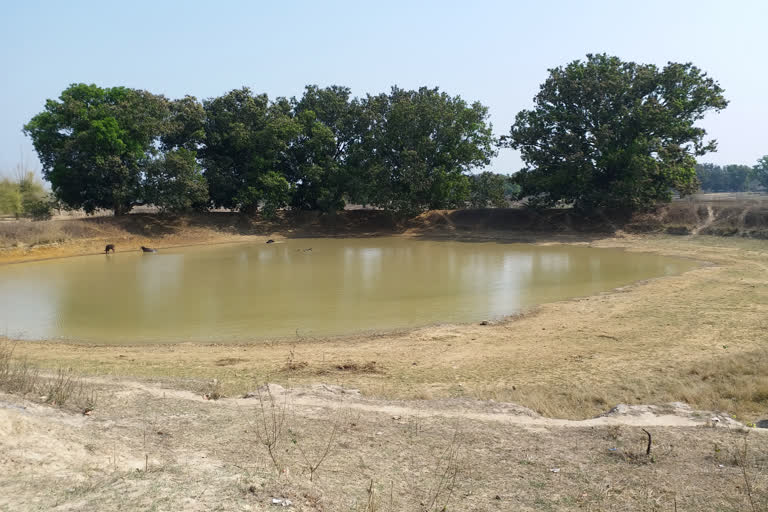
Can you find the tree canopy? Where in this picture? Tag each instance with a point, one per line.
(99, 145)
(602, 133)
(247, 140)
(760, 172)
(416, 148)
(728, 178)
(94, 143)
(609, 133)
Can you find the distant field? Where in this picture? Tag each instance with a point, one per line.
(726, 197)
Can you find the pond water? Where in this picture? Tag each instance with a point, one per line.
(309, 287)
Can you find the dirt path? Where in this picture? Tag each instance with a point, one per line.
(707, 222)
(336, 397)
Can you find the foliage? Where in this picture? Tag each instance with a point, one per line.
(175, 182)
(605, 132)
(512, 190)
(318, 163)
(729, 178)
(415, 148)
(10, 198)
(25, 197)
(488, 189)
(95, 143)
(760, 172)
(247, 139)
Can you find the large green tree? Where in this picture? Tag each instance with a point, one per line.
(416, 148)
(318, 159)
(609, 133)
(95, 144)
(174, 181)
(247, 140)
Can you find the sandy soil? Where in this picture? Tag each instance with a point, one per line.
(149, 447)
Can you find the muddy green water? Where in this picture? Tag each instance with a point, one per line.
(253, 291)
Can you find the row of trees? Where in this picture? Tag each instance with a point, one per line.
(602, 133)
(733, 178)
(407, 151)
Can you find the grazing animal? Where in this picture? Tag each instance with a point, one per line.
(109, 247)
(148, 249)
(270, 241)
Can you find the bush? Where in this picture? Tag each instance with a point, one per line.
(40, 208)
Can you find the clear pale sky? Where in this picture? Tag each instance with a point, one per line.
(496, 52)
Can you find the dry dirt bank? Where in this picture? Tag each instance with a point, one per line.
(25, 240)
(147, 447)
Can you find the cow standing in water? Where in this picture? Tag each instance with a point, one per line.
(147, 249)
(109, 247)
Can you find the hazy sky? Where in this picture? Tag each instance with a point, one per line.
(493, 51)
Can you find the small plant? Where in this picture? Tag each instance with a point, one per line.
(212, 390)
(644, 457)
(313, 460)
(293, 364)
(446, 471)
(741, 458)
(270, 420)
(371, 504)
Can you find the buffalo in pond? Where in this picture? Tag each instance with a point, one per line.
(270, 241)
(109, 247)
(147, 249)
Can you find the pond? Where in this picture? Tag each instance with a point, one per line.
(302, 287)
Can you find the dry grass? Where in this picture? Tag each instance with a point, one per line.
(62, 388)
(178, 452)
(28, 233)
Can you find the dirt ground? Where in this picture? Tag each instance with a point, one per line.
(150, 447)
(456, 414)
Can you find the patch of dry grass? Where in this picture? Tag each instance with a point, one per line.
(62, 388)
(28, 233)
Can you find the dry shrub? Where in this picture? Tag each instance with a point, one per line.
(292, 364)
(63, 389)
(212, 390)
(27, 233)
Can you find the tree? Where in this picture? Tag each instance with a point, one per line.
(95, 144)
(416, 147)
(247, 140)
(488, 189)
(730, 178)
(608, 133)
(175, 182)
(318, 163)
(760, 172)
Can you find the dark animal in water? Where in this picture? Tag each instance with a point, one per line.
(109, 247)
(147, 249)
(270, 241)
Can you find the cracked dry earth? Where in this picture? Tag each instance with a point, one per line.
(147, 446)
